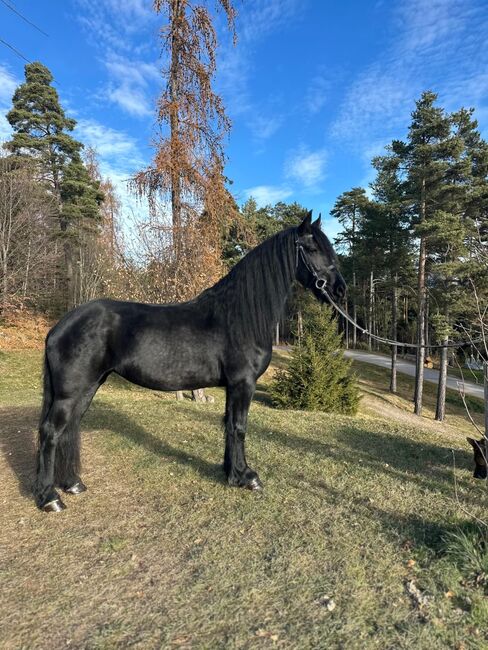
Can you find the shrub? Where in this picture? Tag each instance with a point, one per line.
(318, 377)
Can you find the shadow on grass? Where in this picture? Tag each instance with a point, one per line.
(418, 462)
(18, 435)
(427, 465)
(104, 416)
(407, 530)
(18, 431)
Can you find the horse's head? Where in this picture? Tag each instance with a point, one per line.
(317, 266)
(480, 449)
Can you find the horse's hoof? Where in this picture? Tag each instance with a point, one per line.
(255, 485)
(76, 488)
(54, 506)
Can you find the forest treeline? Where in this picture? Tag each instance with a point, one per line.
(413, 245)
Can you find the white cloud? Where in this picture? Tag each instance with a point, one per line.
(428, 35)
(263, 127)
(108, 142)
(130, 84)
(8, 84)
(268, 194)
(117, 30)
(254, 21)
(119, 159)
(307, 167)
(317, 93)
(375, 103)
(109, 23)
(266, 16)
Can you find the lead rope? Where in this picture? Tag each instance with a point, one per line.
(321, 284)
(380, 339)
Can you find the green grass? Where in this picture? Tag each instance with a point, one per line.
(160, 553)
(475, 376)
(376, 380)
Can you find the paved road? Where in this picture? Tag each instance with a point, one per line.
(408, 368)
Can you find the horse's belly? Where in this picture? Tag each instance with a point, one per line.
(172, 370)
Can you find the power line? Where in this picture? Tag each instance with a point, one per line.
(11, 47)
(9, 6)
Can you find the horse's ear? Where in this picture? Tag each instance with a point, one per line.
(306, 225)
(318, 221)
(472, 442)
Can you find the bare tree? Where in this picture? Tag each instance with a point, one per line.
(27, 258)
(186, 177)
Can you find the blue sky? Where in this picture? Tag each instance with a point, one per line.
(314, 88)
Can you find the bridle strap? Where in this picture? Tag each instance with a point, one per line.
(320, 283)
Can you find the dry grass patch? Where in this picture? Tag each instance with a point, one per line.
(21, 330)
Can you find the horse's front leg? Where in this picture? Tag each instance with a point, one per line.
(239, 474)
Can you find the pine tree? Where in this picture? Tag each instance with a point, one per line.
(393, 239)
(40, 125)
(424, 161)
(349, 209)
(41, 134)
(318, 376)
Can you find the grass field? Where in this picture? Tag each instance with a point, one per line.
(348, 546)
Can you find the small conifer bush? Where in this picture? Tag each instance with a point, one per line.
(318, 377)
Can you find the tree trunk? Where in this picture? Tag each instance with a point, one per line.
(370, 309)
(485, 379)
(427, 336)
(354, 311)
(27, 270)
(300, 325)
(420, 359)
(176, 12)
(68, 273)
(419, 375)
(4, 281)
(277, 339)
(346, 327)
(440, 411)
(394, 349)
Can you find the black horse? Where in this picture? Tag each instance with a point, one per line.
(480, 456)
(221, 338)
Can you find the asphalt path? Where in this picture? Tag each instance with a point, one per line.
(408, 368)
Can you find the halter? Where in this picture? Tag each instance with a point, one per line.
(320, 283)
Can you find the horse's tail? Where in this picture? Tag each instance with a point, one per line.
(48, 393)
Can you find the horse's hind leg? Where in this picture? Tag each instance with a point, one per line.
(50, 431)
(239, 474)
(67, 458)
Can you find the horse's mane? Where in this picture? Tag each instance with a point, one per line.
(251, 296)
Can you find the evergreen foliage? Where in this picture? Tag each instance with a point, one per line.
(81, 198)
(318, 377)
(41, 136)
(40, 125)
